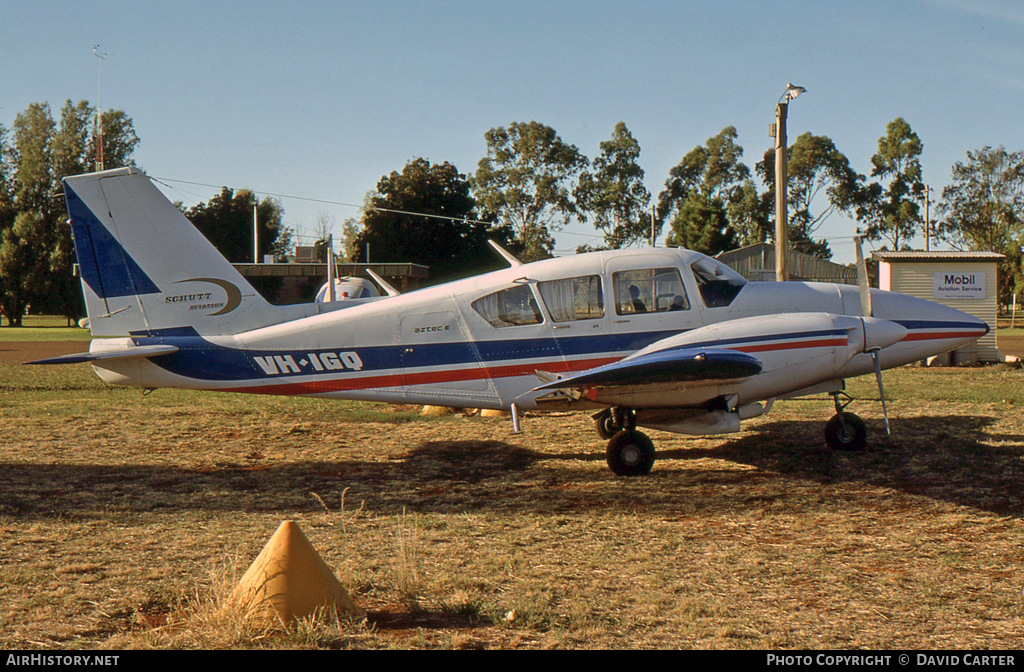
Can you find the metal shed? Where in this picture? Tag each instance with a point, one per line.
(757, 263)
(966, 281)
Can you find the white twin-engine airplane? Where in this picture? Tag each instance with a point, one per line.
(662, 338)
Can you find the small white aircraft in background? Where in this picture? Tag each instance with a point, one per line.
(662, 338)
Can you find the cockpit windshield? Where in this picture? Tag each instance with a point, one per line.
(718, 284)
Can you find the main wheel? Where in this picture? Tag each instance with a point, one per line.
(846, 431)
(630, 453)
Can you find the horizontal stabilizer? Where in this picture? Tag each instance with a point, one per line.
(665, 366)
(126, 353)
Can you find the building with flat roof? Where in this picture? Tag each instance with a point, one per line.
(967, 281)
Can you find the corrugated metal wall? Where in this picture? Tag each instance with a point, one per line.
(757, 262)
(915, 279)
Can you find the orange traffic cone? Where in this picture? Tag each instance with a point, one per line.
(289, 576)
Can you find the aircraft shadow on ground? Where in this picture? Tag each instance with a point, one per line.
(945, 458)
(948, 458)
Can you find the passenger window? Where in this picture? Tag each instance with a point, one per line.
(649, 290)
(511, 307)
(573, 298)
(718, 284)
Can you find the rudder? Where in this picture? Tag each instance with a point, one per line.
(146, 269)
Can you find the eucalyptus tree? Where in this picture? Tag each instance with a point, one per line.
(982, 209)
(36, 254)
(527, 183)
(821, 183)
(891, 210)
(700, 191)
(614, 194)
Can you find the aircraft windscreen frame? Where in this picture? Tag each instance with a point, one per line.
(719, 285)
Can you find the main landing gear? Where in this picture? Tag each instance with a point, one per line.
(630, 453)
(845, 431)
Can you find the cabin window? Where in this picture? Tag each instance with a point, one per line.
(510, 307)
(649, 290)
(718, 284)
(573, 298)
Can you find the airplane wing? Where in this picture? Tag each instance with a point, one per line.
(665, 366)
(124, 353)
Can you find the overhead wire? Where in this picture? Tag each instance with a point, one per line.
(838, 240)
(327, 201)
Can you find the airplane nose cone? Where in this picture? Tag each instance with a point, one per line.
(879, 333)
(942, 326)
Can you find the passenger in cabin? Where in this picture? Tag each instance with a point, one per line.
(634, 295)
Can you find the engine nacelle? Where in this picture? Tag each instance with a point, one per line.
(797, 350)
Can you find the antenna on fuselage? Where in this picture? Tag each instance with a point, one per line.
(332, 270)
(508, 256)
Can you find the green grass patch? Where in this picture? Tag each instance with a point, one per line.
(43, 328)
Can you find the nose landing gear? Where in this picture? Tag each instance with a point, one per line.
(845, 431)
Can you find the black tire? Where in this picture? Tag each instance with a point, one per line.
(630, 453)
(846, 432)
(611, 421)
(605, 423)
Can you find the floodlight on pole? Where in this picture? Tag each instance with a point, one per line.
(781, 180)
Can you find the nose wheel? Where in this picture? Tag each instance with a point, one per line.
(845, 431)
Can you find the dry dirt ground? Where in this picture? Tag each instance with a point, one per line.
(122, 516)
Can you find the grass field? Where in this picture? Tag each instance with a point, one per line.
(125, 519)
(42, 328)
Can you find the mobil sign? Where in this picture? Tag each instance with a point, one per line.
(958, 285)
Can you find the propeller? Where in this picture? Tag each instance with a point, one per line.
(862, 279)
(881, 390)
(867, 310)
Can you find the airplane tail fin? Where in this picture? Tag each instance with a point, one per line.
(146, 270)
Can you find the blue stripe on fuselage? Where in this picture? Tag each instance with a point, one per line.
(200, 359)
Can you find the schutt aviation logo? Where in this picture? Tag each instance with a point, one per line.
(205, 300)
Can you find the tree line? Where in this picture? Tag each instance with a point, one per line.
(36, 254)
(530, 185)
(36, 251)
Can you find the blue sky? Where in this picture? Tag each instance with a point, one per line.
(320, 99)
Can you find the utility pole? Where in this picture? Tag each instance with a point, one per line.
(781, 181)
(654, 217)
(927, 218)
(99, 108)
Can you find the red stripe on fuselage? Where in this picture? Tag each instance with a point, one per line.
(424, 377)
(792, 345)
(477, 373)
(938, 336)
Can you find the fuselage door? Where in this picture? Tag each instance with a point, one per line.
(648, 303)
(437, 356)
